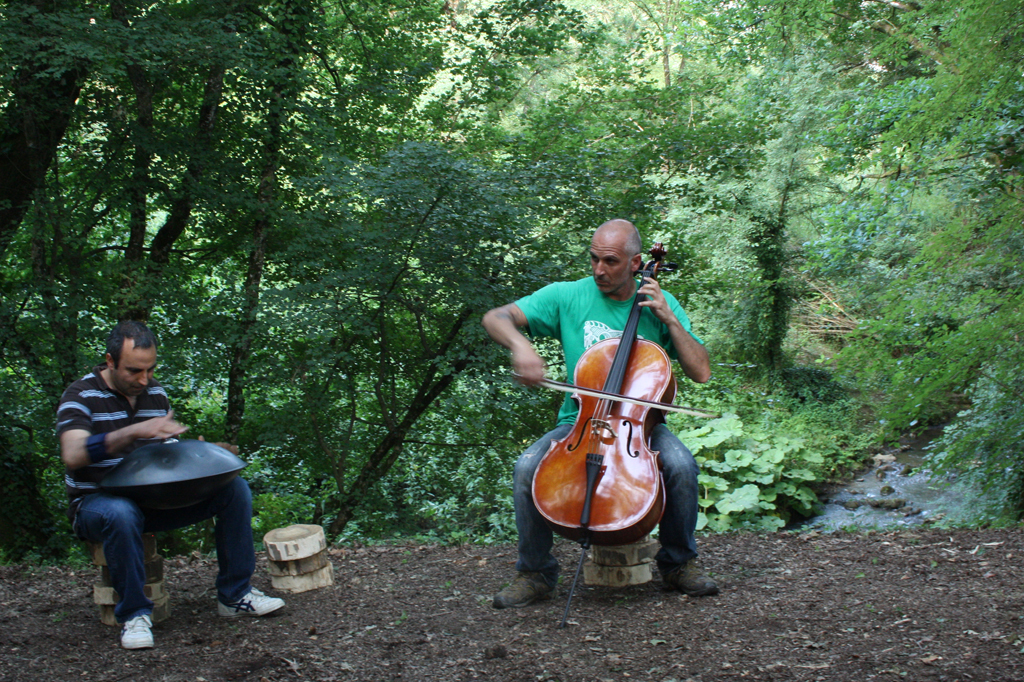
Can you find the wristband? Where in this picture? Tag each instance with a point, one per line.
(96, 446)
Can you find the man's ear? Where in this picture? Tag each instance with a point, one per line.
(110, 362)
(638, 262)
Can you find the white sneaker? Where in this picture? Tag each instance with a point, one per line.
(136, 634)
(255, 603)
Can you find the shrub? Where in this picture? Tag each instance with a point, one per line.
(749, 478)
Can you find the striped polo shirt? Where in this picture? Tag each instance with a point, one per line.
(89, 404)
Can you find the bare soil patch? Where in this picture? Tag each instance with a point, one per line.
(925, 604)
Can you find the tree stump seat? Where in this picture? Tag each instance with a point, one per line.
(104, 595)
(620, 565)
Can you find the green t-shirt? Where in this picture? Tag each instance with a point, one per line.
(579, 315)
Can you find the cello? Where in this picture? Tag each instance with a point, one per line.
(602, 484)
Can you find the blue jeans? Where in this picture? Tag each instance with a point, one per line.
(678, 523)
(119, 523)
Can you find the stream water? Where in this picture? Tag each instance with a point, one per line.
(897, 490)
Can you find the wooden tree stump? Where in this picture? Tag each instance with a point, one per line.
(297, 558)
(321, 577)
(298, 566)
(148, 550)
(106, 598)
(620, 565)
(294, 542)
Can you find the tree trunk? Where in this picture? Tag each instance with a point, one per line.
(390, 448)
(38, 111)
(767, 239)
(26, 521)
(283, 93)
(253, 280)
(181, 207)
(666, 62)
(138, 188)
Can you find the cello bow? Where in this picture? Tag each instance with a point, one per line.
(597, 393)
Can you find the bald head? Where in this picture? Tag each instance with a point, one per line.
(614, 257)
(620, 232)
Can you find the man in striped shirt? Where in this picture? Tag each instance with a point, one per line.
(102, 417)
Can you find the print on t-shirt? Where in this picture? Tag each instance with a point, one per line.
(594, 331)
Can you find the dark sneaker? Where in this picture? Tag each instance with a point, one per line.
(690, 580)
(525, 589)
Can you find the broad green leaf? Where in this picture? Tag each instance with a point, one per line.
(738, 500)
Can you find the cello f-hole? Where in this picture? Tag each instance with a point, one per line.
(574, 446)
(596, 426)
(629, 439)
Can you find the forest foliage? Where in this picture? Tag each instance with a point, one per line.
(313, 202)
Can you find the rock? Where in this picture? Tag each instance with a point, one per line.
(894, 503)
(497, 651)
(852, 504)
(883, 459)
(887, 490)
(907, 471)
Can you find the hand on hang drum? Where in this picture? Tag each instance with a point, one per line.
(160, 427)
(233, 449)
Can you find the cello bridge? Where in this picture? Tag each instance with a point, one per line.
(599, 425)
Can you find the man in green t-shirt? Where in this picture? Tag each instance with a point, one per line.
(579, 314)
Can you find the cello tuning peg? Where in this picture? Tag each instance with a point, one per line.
(670, 267)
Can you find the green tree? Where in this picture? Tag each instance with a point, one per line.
(928, 239)
(186, 164)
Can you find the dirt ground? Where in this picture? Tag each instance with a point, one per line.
(926, 604)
